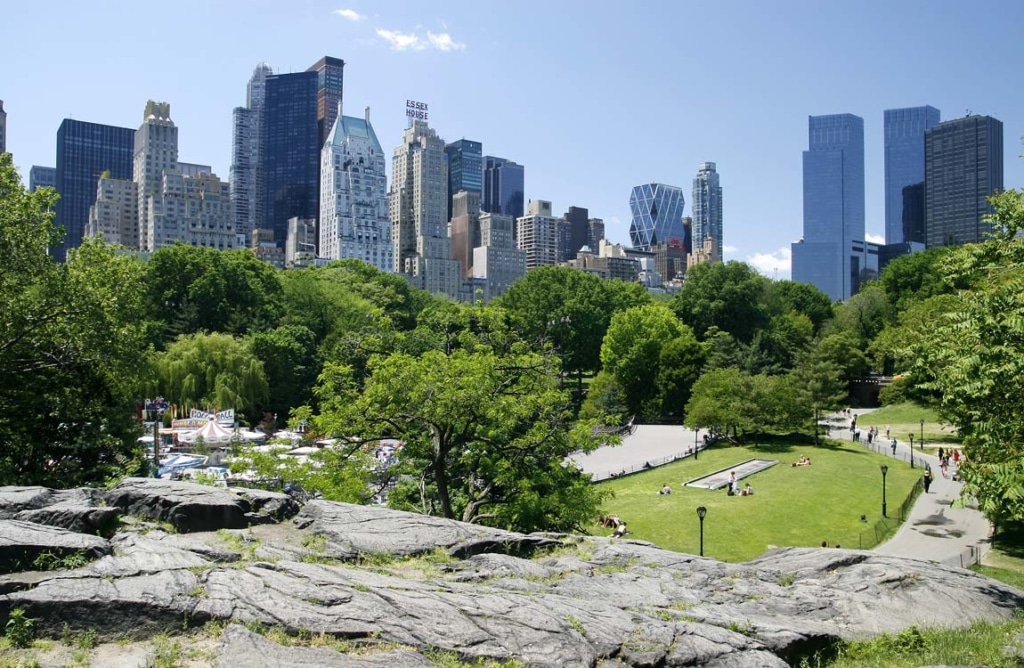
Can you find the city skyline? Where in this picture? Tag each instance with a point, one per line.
(749, 117)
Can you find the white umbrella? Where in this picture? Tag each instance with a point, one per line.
(250, 435)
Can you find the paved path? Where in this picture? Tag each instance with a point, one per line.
(934, 530)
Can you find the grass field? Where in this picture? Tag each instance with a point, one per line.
(906, 418)
(800, 506)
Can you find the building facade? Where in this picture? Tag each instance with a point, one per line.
(245, 151)
(465, 169)
(537, 234)
(289, 158)
(41, 177)
(833, 176)
(330, 80)
(657, 211)
(354, 219)
(115, 215)
(418, 209)
(464, 229)
(496, 261)
(904, 168)
(85, 151)
(504, 187)
(3, 128)
(707, 206)
(574, 233)
(963, 167)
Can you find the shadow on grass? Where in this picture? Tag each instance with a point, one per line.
(1010, 541)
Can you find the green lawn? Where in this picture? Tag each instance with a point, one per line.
(800, 506)
(1005, 560)
(905, 418)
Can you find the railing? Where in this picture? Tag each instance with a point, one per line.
(649, 464)
(880, 529)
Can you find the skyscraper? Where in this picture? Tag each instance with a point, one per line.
(904, 167)
(537, 234)
(330, 79)
(418, 208)
(354, 219)
(155, 151)
(657, 216)
(41, 177)
(833, 206)
(963, 166)
(289, 156)
(575, 233)
(464, 229)
(3, 128)
(84, 152)
(245, 151)
(504, 189)
(707, 206)
(465, 169)
(497, 261)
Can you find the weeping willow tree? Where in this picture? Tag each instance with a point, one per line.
(212, 371)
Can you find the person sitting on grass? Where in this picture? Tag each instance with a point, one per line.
(620, 531)
(665, 490)
(748, 490)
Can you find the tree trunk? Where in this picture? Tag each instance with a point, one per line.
(441, 476)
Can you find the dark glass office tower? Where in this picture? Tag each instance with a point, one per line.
(289, 159)
(831, 253)
(963, 165)
(84, 152)
(465, 169)
(504, 190)
(904, 163)
(330, 77)
(657, 216)
(576, 232)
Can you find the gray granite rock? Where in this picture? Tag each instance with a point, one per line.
(187, 506)
(80, 519)
(241, 648)
(22, 543)
(15, 499)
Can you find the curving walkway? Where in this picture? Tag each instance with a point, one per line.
(934, 530)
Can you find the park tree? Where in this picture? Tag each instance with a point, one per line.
(631, 352)
(720, 399)
(288, 356)
(196, 289)
(729, 296)
(72, 346)
(976, 357)
(568, 309)
(485, 434)
(862, 316)
(785, 297)
(913, 278)
(212, 371)
(680, 364)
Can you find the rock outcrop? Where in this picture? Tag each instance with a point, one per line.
(392, 589)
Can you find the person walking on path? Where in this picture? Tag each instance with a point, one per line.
(927, 478)
(893, 444)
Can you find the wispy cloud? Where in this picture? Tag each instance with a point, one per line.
(776, 264)
(411, 41)
(875, 239)
(350, 14)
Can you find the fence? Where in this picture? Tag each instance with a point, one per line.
(880, 529)
(882, 447)
(649, 464)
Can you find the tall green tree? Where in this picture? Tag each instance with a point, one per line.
(485, 435)
(72, 348)
(729, 296)
(212, 371)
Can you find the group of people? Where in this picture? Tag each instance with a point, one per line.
(614, 522)
(734, 487)
(944, 457)
(803, 461)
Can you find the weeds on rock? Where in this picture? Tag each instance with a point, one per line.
(19, 629)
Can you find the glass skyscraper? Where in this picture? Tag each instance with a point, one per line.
(833, 169)
(904, 167)
(289, 157)
(707, 206)
(657, 216)
(504, 190)
(330, 79)
(465, 168)
(84, 152)
(963, 166)
(245, 150)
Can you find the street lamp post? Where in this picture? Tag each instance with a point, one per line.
(885, 469)
(911, 449)
(696, 448)
(920, 443)
(701, 512)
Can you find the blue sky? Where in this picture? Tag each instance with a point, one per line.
(592, 96)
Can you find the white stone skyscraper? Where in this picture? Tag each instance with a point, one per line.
(354, 219)
(418, 208)
(707, 207)
(156, 150)
(245, 145)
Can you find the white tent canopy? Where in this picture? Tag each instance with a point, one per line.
(211, 433)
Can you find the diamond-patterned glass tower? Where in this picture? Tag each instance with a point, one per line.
(657, 216)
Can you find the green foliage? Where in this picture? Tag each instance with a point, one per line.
(631, 352)
(339, 473)
(793, 298)
(914, 278)
(49, 561)
(484, 434)
(19, 628)
(728, 296)
(74, 337)
(211, 370)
